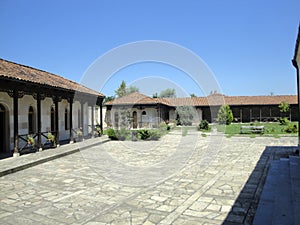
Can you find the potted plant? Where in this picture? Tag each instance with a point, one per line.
(98, 130)
(51, 139)
(30, 140)
(79, 134)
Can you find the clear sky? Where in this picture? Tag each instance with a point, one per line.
(247, 44)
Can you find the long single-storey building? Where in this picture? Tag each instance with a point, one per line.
(149, 112)
(34, 102)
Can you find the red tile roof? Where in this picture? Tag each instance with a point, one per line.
(215, 99)
(133, 99)
(25, 73)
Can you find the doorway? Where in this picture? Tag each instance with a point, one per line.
(3, 129)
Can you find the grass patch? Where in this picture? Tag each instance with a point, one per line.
(274, 129)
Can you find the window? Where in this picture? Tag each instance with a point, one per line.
(144, 113)
(66, 119)
(31, 129)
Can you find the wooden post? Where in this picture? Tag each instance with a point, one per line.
(101, 117)
(81, 117)
(260, 114)
(39, 121)
(56, 121)
(16, 122)
(93, 118)
(71, 120)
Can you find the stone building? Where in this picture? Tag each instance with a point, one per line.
(146, 112)
(34, 102)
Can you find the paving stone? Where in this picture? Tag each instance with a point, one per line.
(89, 187)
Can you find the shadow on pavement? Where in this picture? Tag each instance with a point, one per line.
(244, 208)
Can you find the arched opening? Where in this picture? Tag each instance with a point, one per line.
(52, 119)
(134, 115)
(66, 119)
(4, 134)
(31, 121)
(144, 113)
(78, 118)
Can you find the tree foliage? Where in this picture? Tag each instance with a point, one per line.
(185, 115)
(168, 93)
(124, 90)
(225, 115)
(284, 107)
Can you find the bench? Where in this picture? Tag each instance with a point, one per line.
(252, 129)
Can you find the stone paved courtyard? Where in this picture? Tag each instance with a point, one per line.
(177, 180)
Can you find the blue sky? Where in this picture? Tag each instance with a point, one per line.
(248, 45)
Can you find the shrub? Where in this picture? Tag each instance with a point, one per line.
(291, 129)
(225, 115)
(283, 121)
(203, 125)
(123, 134)
(145, 134)
(155, 135)
(111, 134)
(185, 115)
(150, 134)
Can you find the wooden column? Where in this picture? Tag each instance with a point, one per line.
(259, 114)
(71, 120)
(81, 117)
(39, 121)
(16, 122)
(250, 115)
(241, 115)
(93, 118)
(56, 121)
(101, 117)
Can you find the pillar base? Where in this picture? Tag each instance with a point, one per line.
(16, 154)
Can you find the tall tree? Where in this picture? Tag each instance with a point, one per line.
(121, 91)
(225, 115)
(124, 90)
(168, 93)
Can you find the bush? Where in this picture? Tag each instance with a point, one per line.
(203, 125)
(123, 134)
(225, 115)
(291, 129)
(283, 121)
(150, 134)
(111, 134)
(145, 134)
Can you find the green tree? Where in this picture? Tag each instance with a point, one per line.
(284, 107)
(108, 99)
(185, 115)
(193, 95)
(225, 115)
(168, 93)
(121, 91)
(124, 90)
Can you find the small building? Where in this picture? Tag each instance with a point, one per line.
(34, 102)
(147, 112)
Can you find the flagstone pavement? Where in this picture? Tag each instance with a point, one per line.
(178, 180)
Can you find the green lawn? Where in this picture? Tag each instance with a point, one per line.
(270, 128)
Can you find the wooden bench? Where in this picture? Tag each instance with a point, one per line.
(252, 129)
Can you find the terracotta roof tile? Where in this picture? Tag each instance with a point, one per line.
(132, 99)
(25, 73)
(215, 99)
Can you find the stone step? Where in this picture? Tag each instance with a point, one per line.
(265, 209)
(295, 186)
(283, 212)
